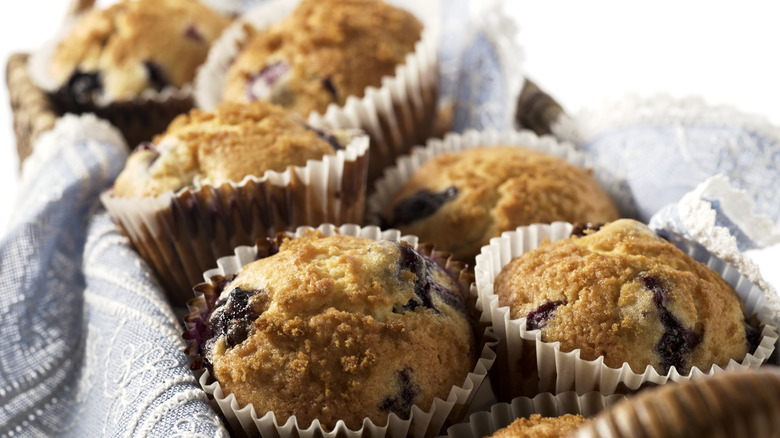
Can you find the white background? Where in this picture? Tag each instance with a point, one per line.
(582, 53)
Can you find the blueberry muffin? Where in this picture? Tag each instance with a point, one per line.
(114, 54)
(459, 200)
(323, 53)
(537, 426)
(218, 179)
(226, 145)
(622, 293)
(338, 328)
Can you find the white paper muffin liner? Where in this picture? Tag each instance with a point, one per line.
(396, 115)
(481, 424)
(560, 371)
(396, 176)
(419, 424)
(181, 234)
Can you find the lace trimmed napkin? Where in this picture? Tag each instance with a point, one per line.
(89, 347)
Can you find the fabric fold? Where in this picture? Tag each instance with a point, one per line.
(88, 345)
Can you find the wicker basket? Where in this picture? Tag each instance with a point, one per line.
(33, 111)
(738, 404)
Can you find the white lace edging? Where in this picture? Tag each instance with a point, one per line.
(661, 108)
(699, 220)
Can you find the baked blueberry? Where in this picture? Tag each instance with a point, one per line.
(420, 205)
(677, 340)
(194, 34)
(328, 85)
(411, 261)
(259, 85)
(234, 316)
(582, 228)
(83, 86)
(156, 76)
(327, 136)
(538, 318)
(401, 404)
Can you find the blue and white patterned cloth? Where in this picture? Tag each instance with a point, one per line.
(88, 345)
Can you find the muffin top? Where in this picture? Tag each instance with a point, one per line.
(458, 201)
(233, 141)
(340, 328)
(537, 426)
(134, 45)
(324, 52)
(624, 293)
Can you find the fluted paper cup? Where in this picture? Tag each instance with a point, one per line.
(396, 115)
(181, 234)
(527, 365)
(443, 411)
(500, 415)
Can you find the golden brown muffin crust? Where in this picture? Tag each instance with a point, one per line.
(613, 286)
(118, 40)
(227, 144)
(329, 343)
(537, 426)
(498, 189)
(333, 48)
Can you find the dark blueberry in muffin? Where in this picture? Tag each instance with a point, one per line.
(156, 76)
(234, 315)
(192, 33)
(538, 318)
(259, 85)
(421, 205)
(410, 260)
(327, 84)
(330, 138)
(580, 229)
(83, 87)
(677, 340)
(401, 404)
(452, 298)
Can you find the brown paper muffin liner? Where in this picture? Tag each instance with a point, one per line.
(396, 115)
(139, 119)
(245, 419)
(742, 403)
(380, 202)
(181, 234)
(486, 423)
(527, 365)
